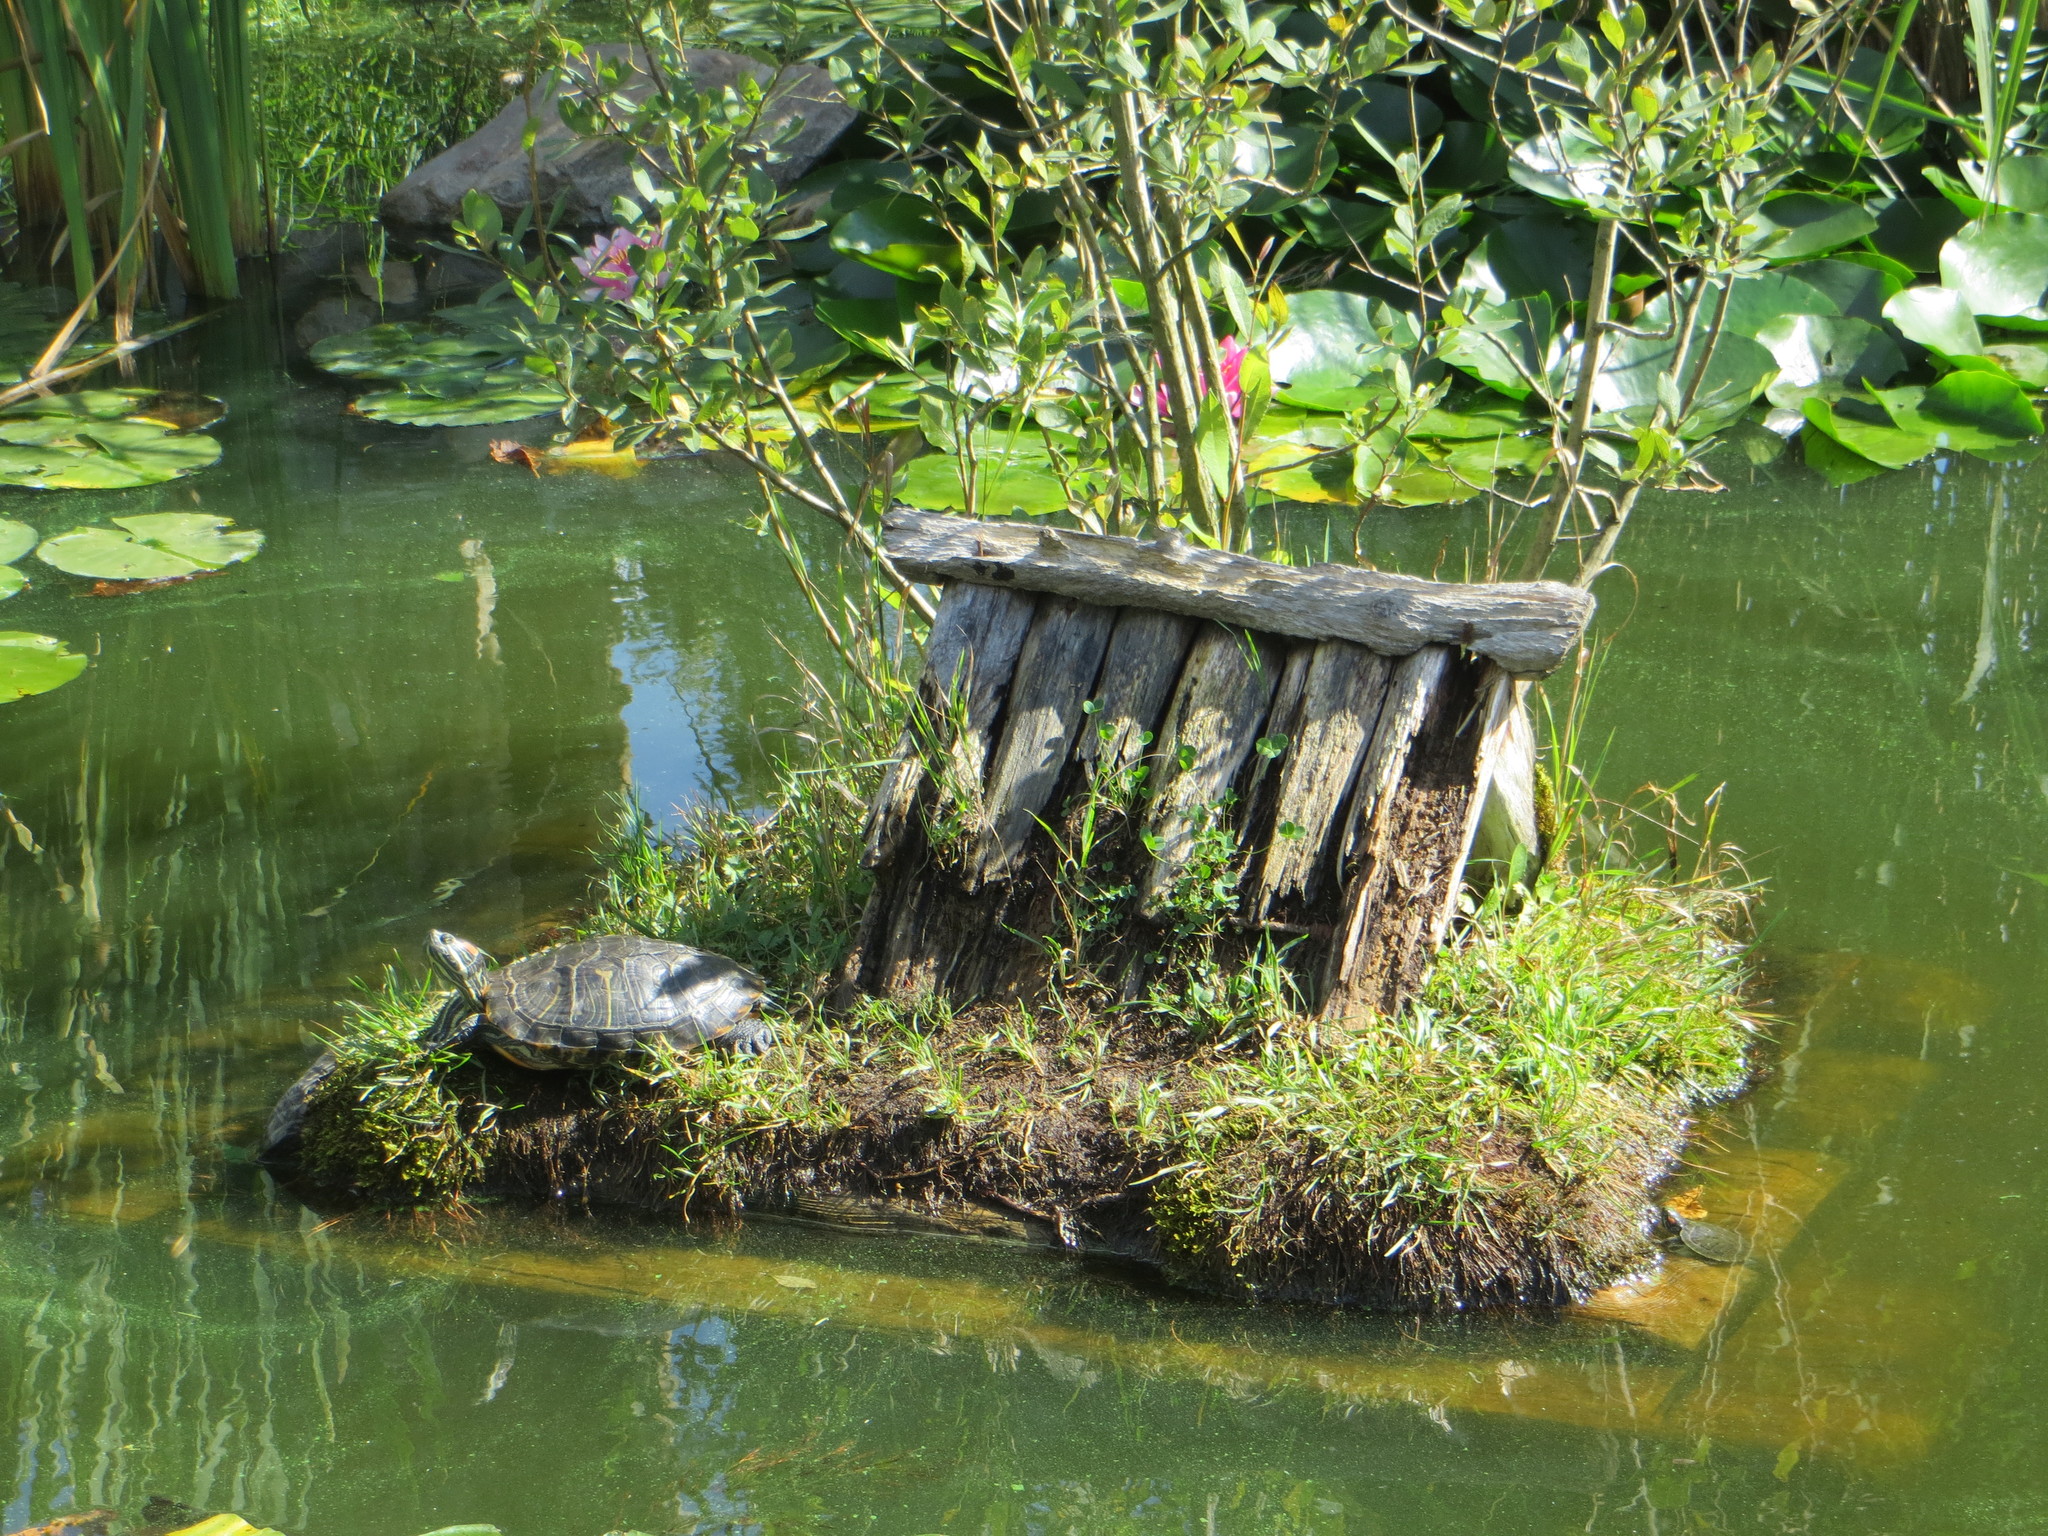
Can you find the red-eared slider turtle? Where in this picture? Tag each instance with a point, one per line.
(578, 1004)
(569, 1006)
(1705, 1240)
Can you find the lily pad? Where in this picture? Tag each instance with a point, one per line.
(899, 234)
(1913, 230)
(1857, 290)
(154, 546)
(1480, 462)
(1021, 482)
(1337, 393)
(103, 439)
(1982, 413)
(1799, 224)
(108, 405)
(34, 664)
(1827, 352)
(1628, 383)
(1275, 168)
(2026, 361)
(512, 396)
(1841, 466)
(1388, 115)
(1564, 165)
(2021, 185)
(1754, 302)
(1868, 431)
(1999, 264)
(16, 540)
(406, 350)
(1333, 334)
(1938, 318)
(1476, 418)
(11, 581)
(1540, 255)
(1508, 345)
(1340, 223)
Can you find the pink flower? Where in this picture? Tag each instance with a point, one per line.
(605, 263)
(1234, 354)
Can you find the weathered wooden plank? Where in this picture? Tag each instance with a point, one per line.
(1209, 731)
(1143, 663)
(1490, 716)
(1528, 627)
(1253, 814)
(1508, 818)
(1414, 848)
(1410, 688)
(1340, 705)
(1054, 674)
(969, 657)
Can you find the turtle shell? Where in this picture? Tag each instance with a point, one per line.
(577, 1003)
(1715, 1244)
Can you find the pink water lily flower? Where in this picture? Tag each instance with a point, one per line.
(1234, 353)
(607, 266)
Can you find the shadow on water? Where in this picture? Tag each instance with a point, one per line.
(412, 710)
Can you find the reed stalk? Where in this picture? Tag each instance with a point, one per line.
(86, 87)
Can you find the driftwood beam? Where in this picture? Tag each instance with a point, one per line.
(1526, 627)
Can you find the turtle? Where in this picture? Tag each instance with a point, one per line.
(578, 1004)
(568, 1006)
(1705, 1240)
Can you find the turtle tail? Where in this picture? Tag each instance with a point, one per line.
(452, 1026)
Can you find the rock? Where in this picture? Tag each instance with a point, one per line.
(387, 282)
(588, 173)
(338, 315)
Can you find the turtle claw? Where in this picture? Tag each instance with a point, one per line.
(754, 1040)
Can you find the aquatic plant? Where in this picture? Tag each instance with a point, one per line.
(151, 547)
(32, 664)
(1520, 311)
(124, 125)
(105, 439)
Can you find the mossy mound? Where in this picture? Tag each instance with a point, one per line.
(1496, 1143)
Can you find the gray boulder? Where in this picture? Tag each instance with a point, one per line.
(588, 173)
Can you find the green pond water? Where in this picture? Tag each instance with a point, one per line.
(413, 710)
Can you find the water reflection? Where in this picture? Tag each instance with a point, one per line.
(411, 711)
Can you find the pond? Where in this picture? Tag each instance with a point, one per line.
(417, 705)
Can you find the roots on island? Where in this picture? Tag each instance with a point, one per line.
(1497, 1142)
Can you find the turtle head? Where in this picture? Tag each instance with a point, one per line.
(461, 964)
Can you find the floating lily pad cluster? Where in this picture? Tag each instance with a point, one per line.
(457, 369)
(137, 552)
(1875, 328)
(105, 439)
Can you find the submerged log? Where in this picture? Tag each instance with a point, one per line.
(1322, 768)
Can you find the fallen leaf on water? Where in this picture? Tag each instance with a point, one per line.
(593, 453)
(92, 1522)
(1687, 1205)
(796, 1283)
(129, 588)
(509, 450)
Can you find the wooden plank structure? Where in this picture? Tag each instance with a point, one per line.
(1336, 730)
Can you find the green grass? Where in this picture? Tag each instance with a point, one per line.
(1497, 1141)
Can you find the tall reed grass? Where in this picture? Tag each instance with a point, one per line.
(125, 123)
